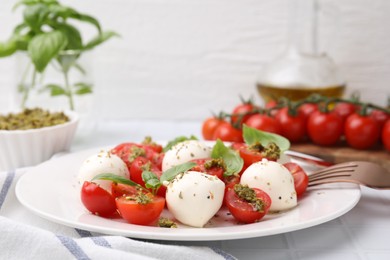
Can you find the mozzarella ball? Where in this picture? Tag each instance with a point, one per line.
(274, 179)
(194, 197)
(184, 152)
(103, 162)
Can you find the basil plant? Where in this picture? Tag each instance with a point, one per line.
(48, 35)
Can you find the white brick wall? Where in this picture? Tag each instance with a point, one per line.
(183, 59)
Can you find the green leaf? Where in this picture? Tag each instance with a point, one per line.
(232, 159)
(99, 39)
(83, 88)
(151, 180)
(88, 19)
(116, 178)
(72, 34)
(171, 173)
(44, 47)
(35, 16)
(177, 140)
(252, 136)
(8, 48)
(55, 90)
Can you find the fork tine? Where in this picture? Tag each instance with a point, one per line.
(332, 175)
(333, 180)
(334, 169)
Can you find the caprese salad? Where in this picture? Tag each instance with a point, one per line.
(192, 179)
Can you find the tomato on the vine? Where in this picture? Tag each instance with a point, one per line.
(97, 200)
(241, 112)
(307, 109)
(361, 132)
(293, 126)
(380, 117)
(209, 126)
(301, 180)
(244, 211)
(324, 128)
(386, 135)
(344, 109)
(140, 209)
(264, 123)
(227, 132)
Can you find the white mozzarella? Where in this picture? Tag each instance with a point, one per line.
(275, 180)
(194, 197)
(103, 162)
(184, 152)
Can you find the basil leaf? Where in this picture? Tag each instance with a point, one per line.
(177, 140)
(232, 159)
(115, 178)
(55, 90)
(44, 47)
(151, 180)
(99, 39)
(7, 48)
(73, 35)
(83, 88)
(35, 16)
(171, 173)
(252, 135)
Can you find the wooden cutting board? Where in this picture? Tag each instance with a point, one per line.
(343, 153)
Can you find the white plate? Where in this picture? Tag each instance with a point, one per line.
(51, 191)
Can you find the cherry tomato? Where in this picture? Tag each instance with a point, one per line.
(324, 128)
(244, 211)
(128, 152)
(301, 180)
(264, 123)
(119, 190)
(254, 154)
(380, 117)
(138, 213)
(271, 104)
(307, 109)
(361, 132)
(386, 135)
(209, 126)
(344, 109)
(226, 132)
(293, 127)
(97, 200)
(209, 166)
(242, 109)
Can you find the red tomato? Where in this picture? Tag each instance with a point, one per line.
(361, 132)
(301, 180)
(119, 190)
(209, 126)
(226, 132)
(344, 109)
(209, 166)
(242, 109)
(128, 151)
(324, 128)
(380, 117)
(307, 109)
(244, 211)
(293, 127)
(97, 200)
(140, 214)
(386, 135)
(271, 104)
(264, 123)
(252, 155)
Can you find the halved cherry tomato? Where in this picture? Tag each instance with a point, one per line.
(97, 200)
(119, 190)
(209, 126)
(226, 132)
(244, 211)
(138, 213)
(301, 180)
(209, 166)
(264, 123)
(128, 152)
(252, 154)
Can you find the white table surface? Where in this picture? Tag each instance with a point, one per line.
(362, 233)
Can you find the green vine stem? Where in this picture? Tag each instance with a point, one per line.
(68, 88)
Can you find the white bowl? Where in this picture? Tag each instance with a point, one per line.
(20, 148)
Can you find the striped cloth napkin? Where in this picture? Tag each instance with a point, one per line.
(24, 235)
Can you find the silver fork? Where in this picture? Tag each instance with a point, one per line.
(364, 173)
